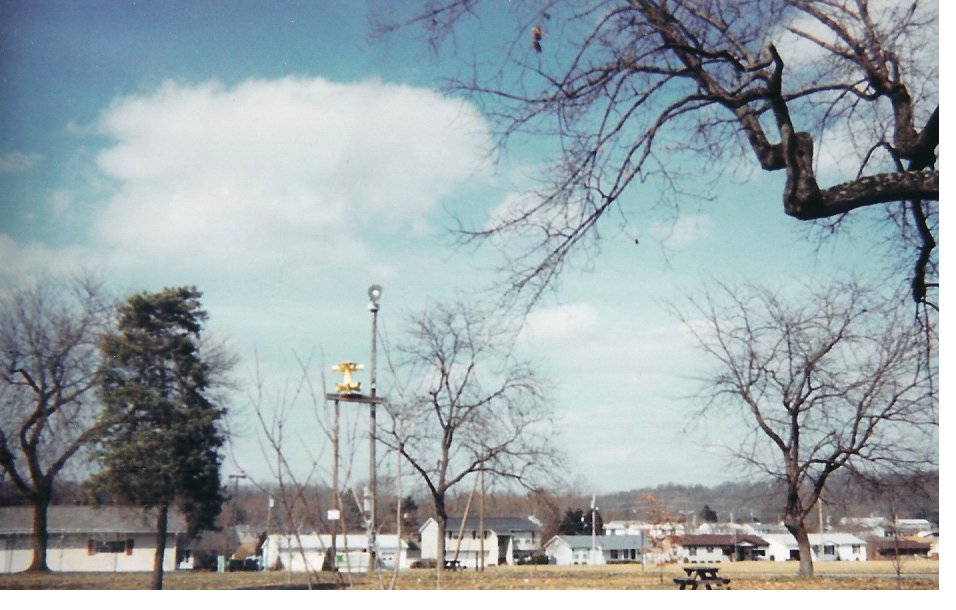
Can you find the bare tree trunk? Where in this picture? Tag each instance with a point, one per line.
(162, 526)
(440, 546)
(41, 536)
(799, 531)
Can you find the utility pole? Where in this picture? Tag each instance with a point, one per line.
(481, 519)
(336, 513)
(235, 497)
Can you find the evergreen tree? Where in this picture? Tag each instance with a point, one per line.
(163, 444)
(577, 522)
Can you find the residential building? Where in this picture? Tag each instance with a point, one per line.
(312, 552)
(566, 550)
(709, 548)
(505, 540)
(658, 537)
(829, 546)
(638, 528)
(890, 548)
(88, 539)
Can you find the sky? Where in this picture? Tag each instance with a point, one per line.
(276, 157)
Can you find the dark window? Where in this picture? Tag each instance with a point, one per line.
(109, 546)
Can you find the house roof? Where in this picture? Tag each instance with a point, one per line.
(721, 540)
(901, 543)
(609, 543)
(88, 520)
(837, 538)
(499, 525)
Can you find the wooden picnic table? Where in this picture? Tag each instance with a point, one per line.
(701, 576)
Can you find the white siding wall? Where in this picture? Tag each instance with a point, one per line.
(559, 553)
(307, 552)
(702, 554)
(430, 540)
(844, 548)
(68, 553)
(470, 548)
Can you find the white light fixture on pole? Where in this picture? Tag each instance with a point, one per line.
(374, 294)
(350, 391)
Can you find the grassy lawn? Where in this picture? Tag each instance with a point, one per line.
(916, 574)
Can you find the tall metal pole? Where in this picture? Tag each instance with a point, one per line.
(481, 519)
(336, 500)
(374, 294)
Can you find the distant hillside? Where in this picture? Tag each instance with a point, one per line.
(912, 496)
(915, 496)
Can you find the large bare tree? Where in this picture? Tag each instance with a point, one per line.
(828, 380)
(49, 333)
(466, 405)
(647, 101)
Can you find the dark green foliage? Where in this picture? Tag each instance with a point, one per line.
(578, 522)
(164, 439)
(708, 515)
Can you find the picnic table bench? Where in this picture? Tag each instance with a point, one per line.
(703, 576)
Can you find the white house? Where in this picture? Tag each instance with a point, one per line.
(505, 540)
(87, 539)
(829, 546)
(638, 528)
(565, 550)
(708, 548)
(658, 537)
(310, 552)
(912, 527)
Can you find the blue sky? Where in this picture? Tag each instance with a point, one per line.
(274, 156)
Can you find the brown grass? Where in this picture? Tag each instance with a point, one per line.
(916, 574)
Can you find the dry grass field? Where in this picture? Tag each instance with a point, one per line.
(916, 574)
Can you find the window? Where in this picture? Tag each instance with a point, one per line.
(829, 549)
(109, 546)
(692, 551)
(613, 553)
(710, 549)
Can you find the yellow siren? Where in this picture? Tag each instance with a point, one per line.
(348, 386)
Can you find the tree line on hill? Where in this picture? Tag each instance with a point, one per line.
(566, 511)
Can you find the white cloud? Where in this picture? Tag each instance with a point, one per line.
(26, 260)
(683, 231)
(283, 172)
(18, 162)
(561, 323)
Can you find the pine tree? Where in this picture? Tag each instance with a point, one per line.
(164, 440)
